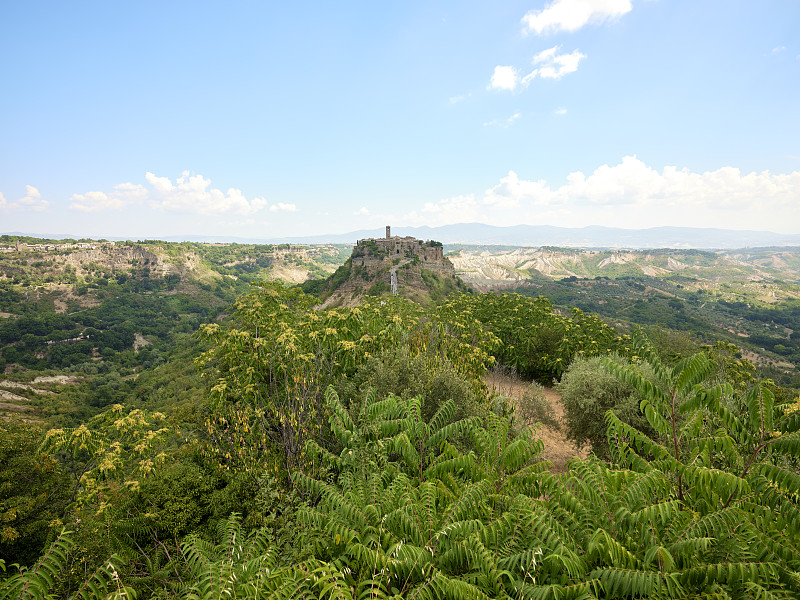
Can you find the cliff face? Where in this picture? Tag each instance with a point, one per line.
(121, 258)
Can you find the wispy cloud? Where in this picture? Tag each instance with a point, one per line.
(549, 64)
(361, 211)
(32, 200)
(459, 98)
(571, 15)
(560, 111)
(95, 201)
(458, 209)
(504, 123)
(283, 207)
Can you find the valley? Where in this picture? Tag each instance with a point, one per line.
(106, 313)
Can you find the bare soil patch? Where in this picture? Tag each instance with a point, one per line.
(59, 305)
(11, 397)
(139, 341)
(24, 386)
(62, 379)
(557, 448)
(67, 293)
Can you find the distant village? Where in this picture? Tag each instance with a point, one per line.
(67, 247)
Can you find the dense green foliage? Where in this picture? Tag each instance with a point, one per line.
(398, 371)
(357, 453)
(33, 492)
(672, 304)
(42, 579)
(538, 341)
(49, 340)
(275, 364)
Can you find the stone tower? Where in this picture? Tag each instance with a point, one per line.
(388, 232)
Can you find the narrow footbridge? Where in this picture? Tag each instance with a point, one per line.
(393, 275)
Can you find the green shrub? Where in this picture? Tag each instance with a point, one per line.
(396, 371)
(533, 407)
(34, 490)
(378, 289)
(588, 390)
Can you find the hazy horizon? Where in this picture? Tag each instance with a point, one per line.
(592, 237)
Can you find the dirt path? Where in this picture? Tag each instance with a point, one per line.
(557, 448)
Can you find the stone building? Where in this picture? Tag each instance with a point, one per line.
(398, 247)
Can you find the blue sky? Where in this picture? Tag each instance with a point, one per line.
(148, 119)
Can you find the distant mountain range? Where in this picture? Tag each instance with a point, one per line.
(528, 235)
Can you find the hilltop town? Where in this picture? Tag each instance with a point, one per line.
(391, 265)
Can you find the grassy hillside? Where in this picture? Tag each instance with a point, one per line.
(104, 316)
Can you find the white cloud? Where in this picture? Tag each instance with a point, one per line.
(778, 49)
(632, 194)
(95, 201)
(123, 194)
(282, 207)
(504, 78)
(458, 209)
(511, 192)
(32, 200)
(189, 194)
(362, 211)
(555, 66)
(571, 15)
(193, 193)
(130, 192)
(560, 111)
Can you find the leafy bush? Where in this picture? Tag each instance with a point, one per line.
(439, 286)
(398, 371)
(44, 578)
(378, 288)
(33, 492)
(537, 341)
(533, 407)
(588, 390)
